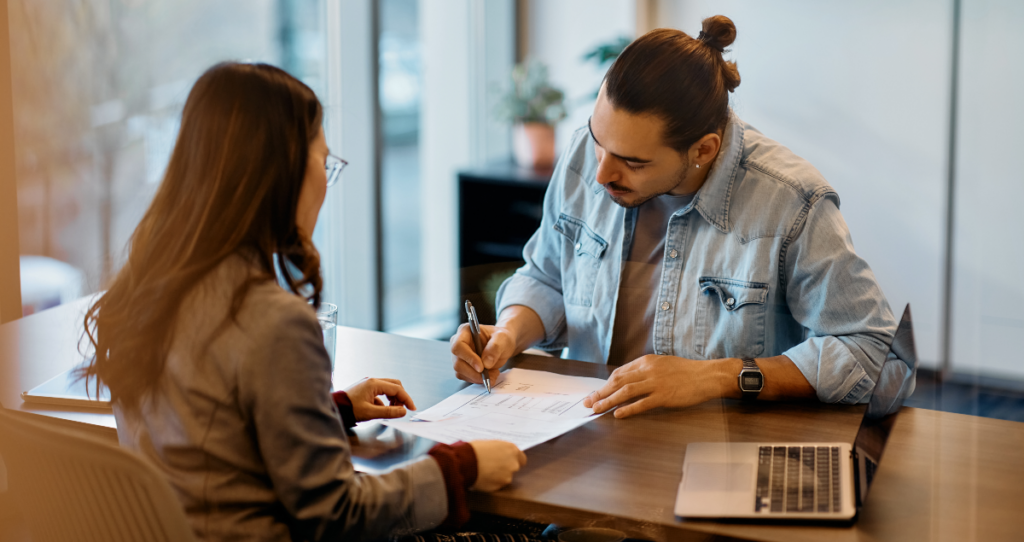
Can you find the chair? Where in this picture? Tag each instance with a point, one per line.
(75, 487)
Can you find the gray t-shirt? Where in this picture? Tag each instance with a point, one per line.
(640, 280)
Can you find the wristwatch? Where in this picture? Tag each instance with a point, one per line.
(751, 379)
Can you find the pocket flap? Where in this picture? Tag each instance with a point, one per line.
(735, 293)
(584, 240)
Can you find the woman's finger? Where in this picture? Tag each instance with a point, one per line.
(391, 389)
(386, 412)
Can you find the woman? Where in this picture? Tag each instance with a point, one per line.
(218, 375)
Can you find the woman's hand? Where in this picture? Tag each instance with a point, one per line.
(496, 462)
(366, 402)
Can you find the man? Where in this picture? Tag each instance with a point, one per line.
(681, 242)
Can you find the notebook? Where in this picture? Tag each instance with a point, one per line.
(65, 390)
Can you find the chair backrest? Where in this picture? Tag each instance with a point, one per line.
(75, 487)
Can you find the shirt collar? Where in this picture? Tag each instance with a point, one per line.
(713, 198)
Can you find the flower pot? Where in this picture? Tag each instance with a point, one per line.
(533, 145)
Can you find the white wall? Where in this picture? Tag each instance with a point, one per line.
(861, 90)
(988, 277)
(559, 33)
(467, 46)
(445, 144)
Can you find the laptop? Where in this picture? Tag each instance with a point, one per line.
(800, 481)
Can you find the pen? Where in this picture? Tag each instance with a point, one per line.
(478, 345)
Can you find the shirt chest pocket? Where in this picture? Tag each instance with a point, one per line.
(730, 319)
(581, 259)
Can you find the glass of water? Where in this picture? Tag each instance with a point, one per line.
(327, 314)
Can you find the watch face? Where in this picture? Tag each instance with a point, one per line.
(751, 381)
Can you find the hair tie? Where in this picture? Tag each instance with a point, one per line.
(710, 41)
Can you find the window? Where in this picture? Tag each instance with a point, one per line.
(399, 93)
(98, 89)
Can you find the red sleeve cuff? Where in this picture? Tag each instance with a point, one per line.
(467, 462)
(344, 404)
(458, 466)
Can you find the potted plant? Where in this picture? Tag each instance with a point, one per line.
(605, 53)
(533, 107)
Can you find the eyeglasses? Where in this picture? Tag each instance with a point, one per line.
(334, 167)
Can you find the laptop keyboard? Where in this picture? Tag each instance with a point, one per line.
(797, 479)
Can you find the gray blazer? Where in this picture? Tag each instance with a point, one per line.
(243, 425)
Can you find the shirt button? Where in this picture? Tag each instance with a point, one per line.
(579, 246)
(730, 302)
(665, 306)
(672, 254)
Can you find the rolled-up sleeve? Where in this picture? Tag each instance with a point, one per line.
(538, 283)
(307, 455)
(832, 292)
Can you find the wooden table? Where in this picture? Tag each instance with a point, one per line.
(943, 477)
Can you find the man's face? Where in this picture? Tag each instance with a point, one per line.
(634, 164)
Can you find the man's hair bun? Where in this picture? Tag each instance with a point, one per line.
(682, 79)
(719, 30)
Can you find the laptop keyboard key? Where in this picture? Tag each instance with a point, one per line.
(824, 464)
(793, 479)
(835, 479)
(778, 477)
(764, 473)
(807, 479)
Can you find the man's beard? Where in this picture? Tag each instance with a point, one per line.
(680, 178)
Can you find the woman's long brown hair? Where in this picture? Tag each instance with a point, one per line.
(232, 185)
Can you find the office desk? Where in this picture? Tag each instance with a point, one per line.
(943, 477)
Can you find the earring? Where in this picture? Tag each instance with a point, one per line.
(698, 166)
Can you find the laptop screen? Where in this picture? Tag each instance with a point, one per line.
(895, 383)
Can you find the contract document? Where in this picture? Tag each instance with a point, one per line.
(525, 408)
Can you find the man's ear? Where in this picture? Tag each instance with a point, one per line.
(704, 151)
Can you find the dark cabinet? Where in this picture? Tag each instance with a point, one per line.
(500, 208)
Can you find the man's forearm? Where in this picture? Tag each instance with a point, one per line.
(524, 323)
(782, 379)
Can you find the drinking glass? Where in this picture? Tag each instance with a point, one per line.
(327, 314)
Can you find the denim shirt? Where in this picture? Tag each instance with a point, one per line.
(759, 264)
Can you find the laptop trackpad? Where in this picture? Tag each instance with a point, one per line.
(719, 477)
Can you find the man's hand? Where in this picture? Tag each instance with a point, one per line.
(668, 381)
(366, 402)
(499, 346)
(658, 381)
(518, 328)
